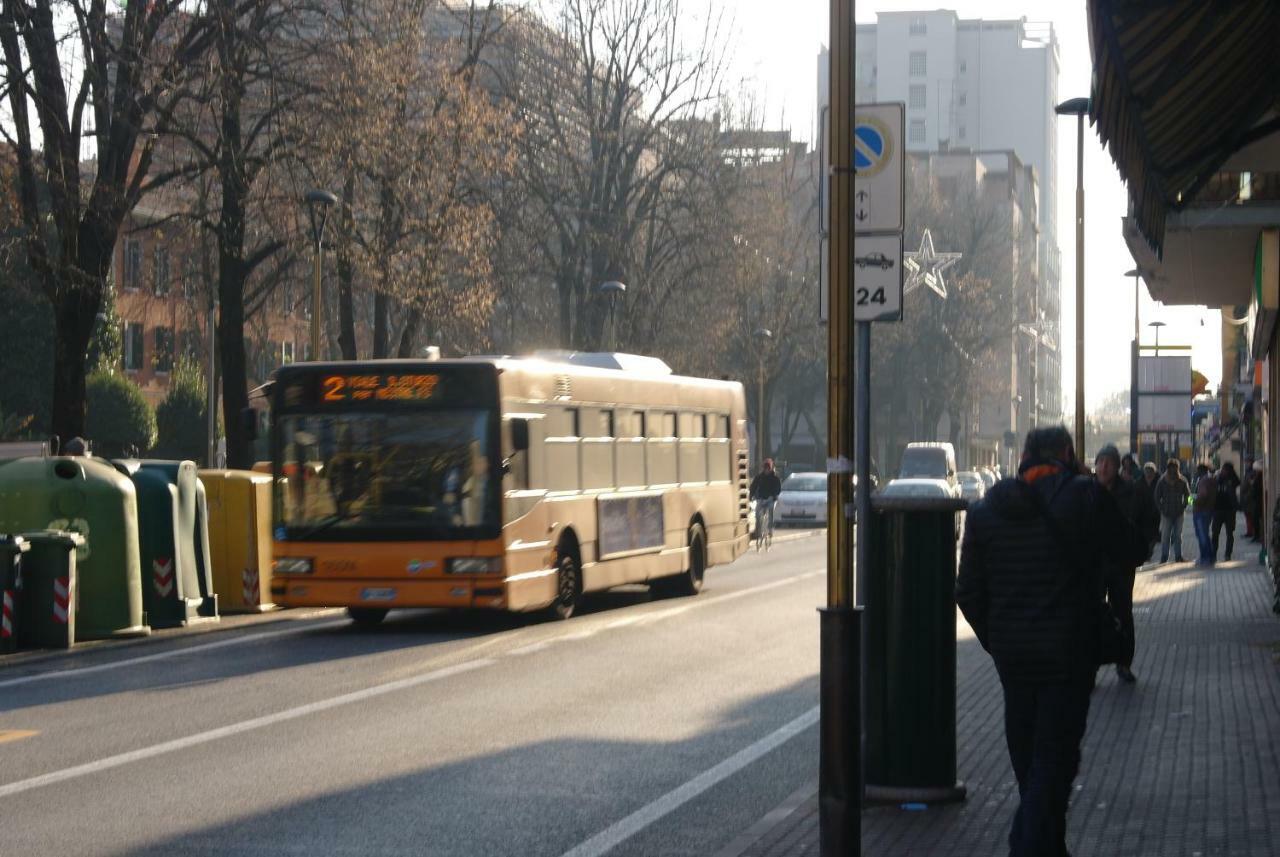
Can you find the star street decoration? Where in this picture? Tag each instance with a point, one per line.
(925, 266)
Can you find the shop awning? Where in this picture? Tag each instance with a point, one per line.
(1180, 85)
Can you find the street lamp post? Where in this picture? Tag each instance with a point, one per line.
(613, 288)
(1157, 325)
(318, 204)
(1079, 107)
(1134, 354)
(762, 336)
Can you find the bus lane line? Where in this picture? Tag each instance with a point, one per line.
(168, 653)
(243, 726)
(619, 832)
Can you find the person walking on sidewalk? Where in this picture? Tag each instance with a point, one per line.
(1172, 493)
(1202, 512)
(1145, 515)
(1253, 506)
(1119, 576)
(1030, 585)
(1225, 507)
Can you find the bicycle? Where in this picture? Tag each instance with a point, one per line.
(764, 523)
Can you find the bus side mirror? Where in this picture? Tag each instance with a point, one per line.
(520, 435)
(249, 423)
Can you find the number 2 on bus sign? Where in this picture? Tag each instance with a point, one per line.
(877, 277)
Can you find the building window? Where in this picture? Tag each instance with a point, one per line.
(190, 276)
(963, 131)
(916, 101)
(132, 264)
(962, 99)
(286, 352)
(916, 133)
(132, 346)
(919, 26)
(164, 350)
(964, 66)
(162, 271)
(917, 65)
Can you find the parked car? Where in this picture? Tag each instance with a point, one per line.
(972, 485)
(919, 488)
(803, 501)
(989, 477)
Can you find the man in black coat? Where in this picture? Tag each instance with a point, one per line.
(1031, 586)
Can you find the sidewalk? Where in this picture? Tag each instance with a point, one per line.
(1186, 762)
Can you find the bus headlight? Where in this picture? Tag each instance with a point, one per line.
(292, 565)
(474, 565)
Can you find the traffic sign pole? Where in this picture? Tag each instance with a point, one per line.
(840, 686)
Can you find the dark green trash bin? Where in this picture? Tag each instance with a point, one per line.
(166, 540)
(50, 593)
(11, 585)
(910, 624)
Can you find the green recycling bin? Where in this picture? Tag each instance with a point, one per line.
(11, 585)
(88, 496)
(49, 590)
(166, 539)
(910, 638)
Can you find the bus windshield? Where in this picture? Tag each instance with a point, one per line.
(408, 474)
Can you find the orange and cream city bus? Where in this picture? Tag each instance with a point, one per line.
(511, 483)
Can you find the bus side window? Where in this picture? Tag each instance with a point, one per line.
(693, 448)
(518, 459)
(629, 449)
(563, 467)
(719, 451)
(661, 448)
(597, 449)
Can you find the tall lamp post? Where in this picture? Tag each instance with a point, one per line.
(1079, 108)
(1157, 325)
(613, 288)
(318, 204)
(763, 336)
(1134, 354)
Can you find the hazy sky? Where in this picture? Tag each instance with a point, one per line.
(777, 46)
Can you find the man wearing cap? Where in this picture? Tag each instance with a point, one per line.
(1119, 573)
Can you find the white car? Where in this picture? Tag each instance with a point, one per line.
(920, 488)
(803, 501)
(972, 485)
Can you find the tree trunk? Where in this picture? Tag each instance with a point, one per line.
(409, 336)
(381, 326)
(70, 347)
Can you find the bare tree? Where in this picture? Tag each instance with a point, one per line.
(96, 80)
(615, 104)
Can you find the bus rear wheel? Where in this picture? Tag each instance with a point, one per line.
(568, 586)
(689, 581)
(367, 617)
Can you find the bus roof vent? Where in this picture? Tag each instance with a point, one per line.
(564, 390)
(608, 360)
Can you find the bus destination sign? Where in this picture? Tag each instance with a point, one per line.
(379, 388)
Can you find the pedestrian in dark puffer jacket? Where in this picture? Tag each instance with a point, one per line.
(1031, 586)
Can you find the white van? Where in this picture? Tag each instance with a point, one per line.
(931, 460)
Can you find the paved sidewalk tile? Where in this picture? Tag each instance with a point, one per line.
(1186, 762)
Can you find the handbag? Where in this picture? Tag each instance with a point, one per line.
(1103, 628)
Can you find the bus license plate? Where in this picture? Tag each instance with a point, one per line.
(377, 594)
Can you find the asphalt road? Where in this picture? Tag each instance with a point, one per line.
(640, 727)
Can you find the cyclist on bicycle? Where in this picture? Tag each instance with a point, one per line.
(765, 489)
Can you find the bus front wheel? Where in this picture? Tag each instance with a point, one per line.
(568, 586)
(367, 617)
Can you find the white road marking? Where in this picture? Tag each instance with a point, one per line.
(609, 838)
(236, 728)
(169, 653)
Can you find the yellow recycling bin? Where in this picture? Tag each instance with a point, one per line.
(240, 538)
